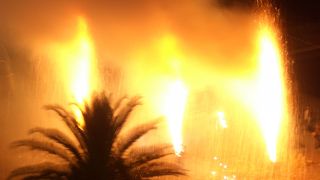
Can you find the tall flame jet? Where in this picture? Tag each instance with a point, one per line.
(175, 99)
(83, 81)
(76, 65)
(270, 105)
(175, 93)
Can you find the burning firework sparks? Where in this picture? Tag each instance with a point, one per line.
(221, 170)
(175, 92)
(176, 97)
(215, 53)
(77, 64)
(270, 108)
(81, 83)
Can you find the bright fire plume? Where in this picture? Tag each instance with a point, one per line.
(80, 86)
(175, 92)
(271, 94)
(76, 66)
(174, 107)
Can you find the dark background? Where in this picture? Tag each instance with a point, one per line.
(301, 21)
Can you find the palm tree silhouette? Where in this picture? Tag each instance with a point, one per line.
(100, 152)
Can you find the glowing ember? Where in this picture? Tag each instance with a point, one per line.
(213, 173)
(175, 101)
(270, 100)
(221, 170)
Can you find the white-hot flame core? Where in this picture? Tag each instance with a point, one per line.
(270, 97)
(175, 100)
(80, 85)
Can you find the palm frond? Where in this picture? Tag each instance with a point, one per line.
(78, 106)
(117, 104)
(72, 124)
(155, 169)
(98, 128)
(124, 113)
(98, 109)
(140, 156)
(45, 177)
(38, 169)
(60, 138)
(50, 148)
(102, 149)
(134, 134)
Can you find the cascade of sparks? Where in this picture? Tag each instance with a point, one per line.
(270, 100)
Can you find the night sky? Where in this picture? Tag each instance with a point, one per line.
(301, 23)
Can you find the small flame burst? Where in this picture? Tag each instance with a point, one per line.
(270, 96)
(222, 120)
(175, 101)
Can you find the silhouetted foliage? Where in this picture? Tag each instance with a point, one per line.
(99, 153)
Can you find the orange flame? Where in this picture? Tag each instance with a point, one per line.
(76, 66)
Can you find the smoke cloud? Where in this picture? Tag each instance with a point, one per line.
(207, 37)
